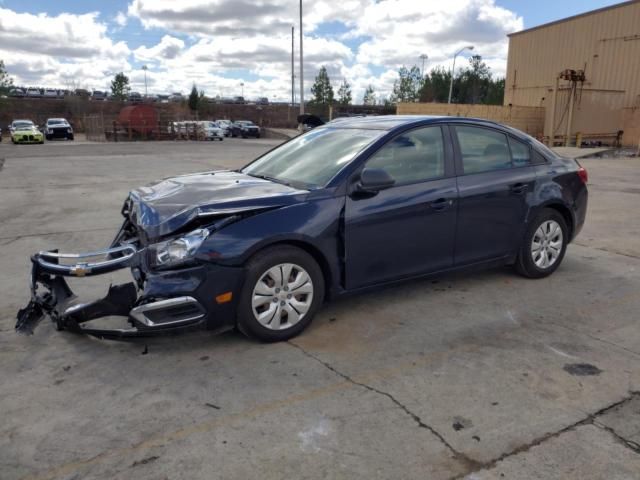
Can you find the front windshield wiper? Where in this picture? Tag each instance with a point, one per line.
(269, 178)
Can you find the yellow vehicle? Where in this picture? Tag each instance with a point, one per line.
(25, 132)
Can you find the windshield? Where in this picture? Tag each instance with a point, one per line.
(22, 124)
(56, 121)
(314, 158)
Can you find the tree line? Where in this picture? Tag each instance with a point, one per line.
(473, 84)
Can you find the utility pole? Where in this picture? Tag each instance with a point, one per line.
(293, 74)
(145, 68)
(301, 66)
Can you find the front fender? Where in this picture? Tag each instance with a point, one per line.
(315, 223)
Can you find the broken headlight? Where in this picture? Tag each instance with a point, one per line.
(179, 250)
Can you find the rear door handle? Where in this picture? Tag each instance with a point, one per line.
(441, 204)
(519, 188)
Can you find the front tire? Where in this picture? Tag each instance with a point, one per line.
(283, 290)
(544, 245)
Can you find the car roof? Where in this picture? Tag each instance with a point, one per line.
(391, 122)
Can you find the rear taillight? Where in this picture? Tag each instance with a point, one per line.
(584, 176)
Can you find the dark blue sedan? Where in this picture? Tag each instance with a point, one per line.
(348, 206)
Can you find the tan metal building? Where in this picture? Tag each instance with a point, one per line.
(605, 45)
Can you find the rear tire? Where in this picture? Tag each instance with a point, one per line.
(544, 245)
(270, 310)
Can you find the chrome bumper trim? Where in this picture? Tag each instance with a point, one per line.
(139, 312)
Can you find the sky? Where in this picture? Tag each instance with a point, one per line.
(235, 47)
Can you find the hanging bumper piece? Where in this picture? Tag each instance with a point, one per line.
(51, 295)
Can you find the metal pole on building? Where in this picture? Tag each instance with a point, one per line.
(554, 102)
(567, 139)
(453, 70)
(293, 75)
(301, 66)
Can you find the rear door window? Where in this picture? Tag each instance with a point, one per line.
(482, 149)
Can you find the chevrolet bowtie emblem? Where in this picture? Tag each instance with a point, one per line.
(80, 271)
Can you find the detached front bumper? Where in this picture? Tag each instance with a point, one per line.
(154, 304)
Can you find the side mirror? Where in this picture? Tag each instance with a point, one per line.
(373, 180)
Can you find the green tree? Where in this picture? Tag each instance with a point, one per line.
(473, 81)
(369, 96)
(495, 92)
(120, 86)
(407, 86)
(435, 87)
(194, 98)
(6, 82)
(388, 101)
(322, 90)
(344, 93)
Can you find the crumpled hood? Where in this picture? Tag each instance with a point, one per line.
(164, 207)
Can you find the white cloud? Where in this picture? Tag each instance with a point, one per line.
(168, 48)
(58, 50)
(120, 19)
(216, 42)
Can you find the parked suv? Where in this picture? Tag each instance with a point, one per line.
(134, 97)
(98, 95)
(34, 93)
(58, 128)
(210, 130)
(50, 93)
(225, 125)
(244, 129)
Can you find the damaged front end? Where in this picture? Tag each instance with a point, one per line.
(152, 303)
(51, 295)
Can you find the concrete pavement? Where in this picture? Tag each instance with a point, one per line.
(479, 376)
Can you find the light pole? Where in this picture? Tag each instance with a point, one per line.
(242, 89)
(301, 66)
(424, 57)
(453, 70)
(145, 68)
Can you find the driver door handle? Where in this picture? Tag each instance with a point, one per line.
(441, 204)
(519, 188)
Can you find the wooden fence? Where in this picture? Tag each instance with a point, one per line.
(527, 119)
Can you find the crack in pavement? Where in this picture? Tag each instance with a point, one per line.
(604, 249)
(635, 446)
(590, 419)
(469, 463)
(593, 337)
